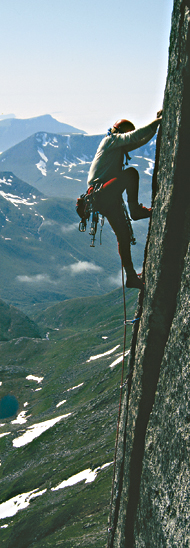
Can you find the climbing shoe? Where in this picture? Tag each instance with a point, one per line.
(138, 211)
(134, 281)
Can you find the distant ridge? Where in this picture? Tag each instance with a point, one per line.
(5, 116)
(14, 323)
(13, 130)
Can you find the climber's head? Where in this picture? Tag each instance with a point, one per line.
(123, 126)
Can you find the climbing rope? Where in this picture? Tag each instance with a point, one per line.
(122, 385)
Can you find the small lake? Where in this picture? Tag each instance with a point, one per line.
(8, 406)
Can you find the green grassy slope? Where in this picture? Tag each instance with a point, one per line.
(77, 515)
(14, 324)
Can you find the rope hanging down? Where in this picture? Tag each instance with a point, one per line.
(122, 385)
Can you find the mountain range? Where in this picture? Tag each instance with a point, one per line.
(44, 257)
(13, 130)
(58, 165)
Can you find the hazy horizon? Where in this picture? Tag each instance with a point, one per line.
(87, 64)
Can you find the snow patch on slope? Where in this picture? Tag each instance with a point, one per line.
(88, 475)
(36, 430)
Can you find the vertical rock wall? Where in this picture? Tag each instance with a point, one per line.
(150, 503)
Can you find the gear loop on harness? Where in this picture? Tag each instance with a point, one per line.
(86, 205)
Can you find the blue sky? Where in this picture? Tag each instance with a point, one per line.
(85, 62)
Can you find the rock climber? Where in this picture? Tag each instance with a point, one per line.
(108, 173)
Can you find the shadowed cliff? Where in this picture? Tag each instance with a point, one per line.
(150, 503)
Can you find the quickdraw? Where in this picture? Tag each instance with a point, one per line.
(85, 206)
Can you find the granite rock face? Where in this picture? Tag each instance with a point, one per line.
(151, 502)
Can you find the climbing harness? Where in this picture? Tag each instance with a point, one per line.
(122, 385)
(86, 206)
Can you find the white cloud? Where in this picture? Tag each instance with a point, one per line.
(48, 223)
(69, 227)
(82, 266)
(64, 228)
(115, 280)
(38, 278)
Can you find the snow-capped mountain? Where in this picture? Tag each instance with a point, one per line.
(58, 165)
